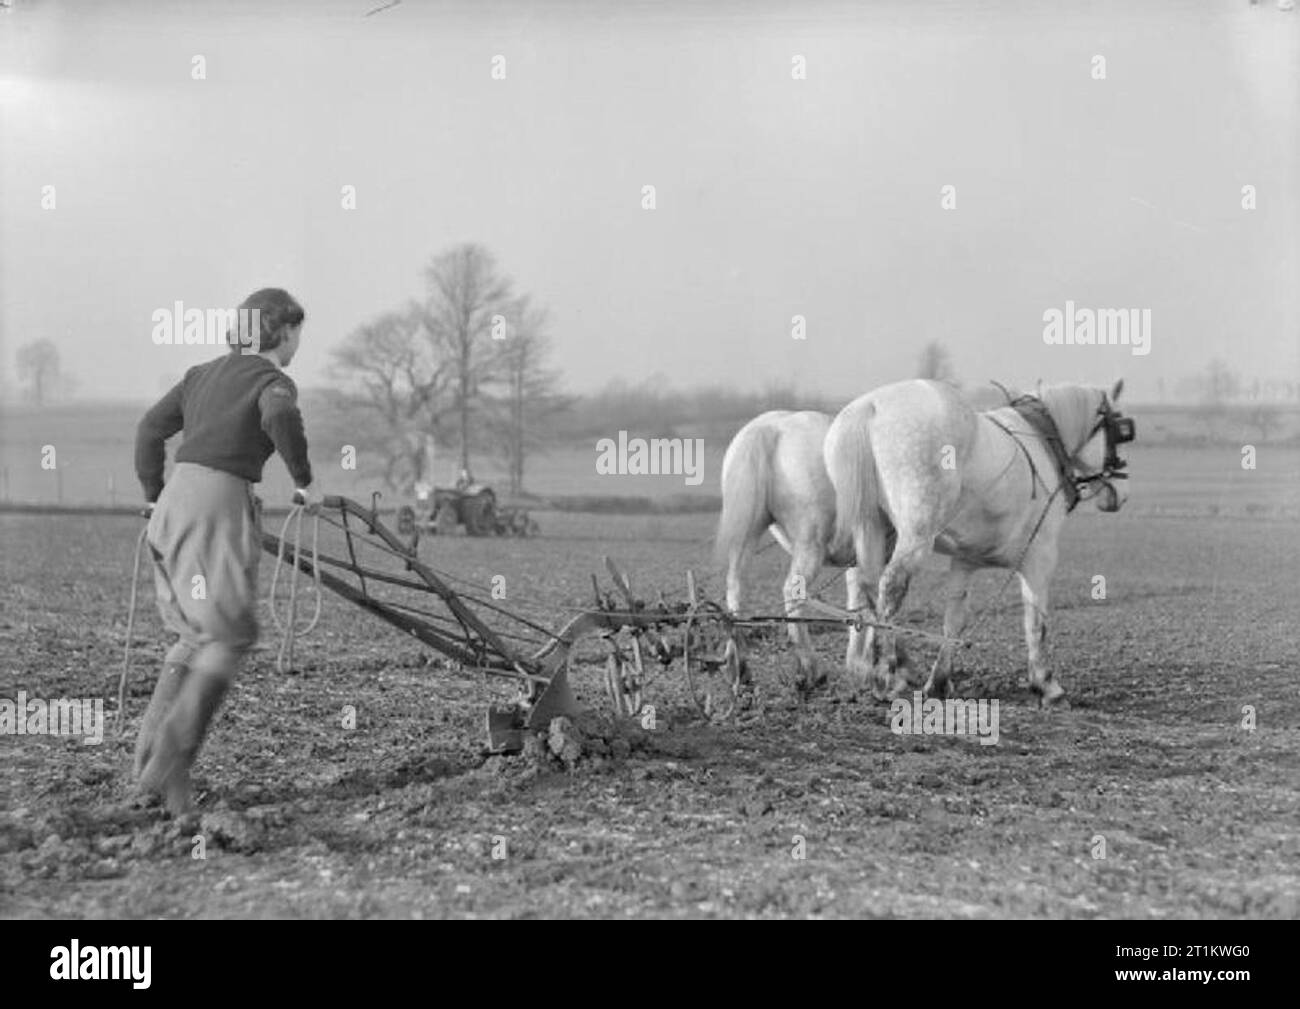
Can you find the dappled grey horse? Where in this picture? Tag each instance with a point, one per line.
(773, 478)
(990, 490)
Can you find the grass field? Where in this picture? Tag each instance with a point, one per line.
(402, 815)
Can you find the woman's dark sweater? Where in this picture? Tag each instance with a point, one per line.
(235, 410)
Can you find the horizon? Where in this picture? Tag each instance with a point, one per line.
(969, 390)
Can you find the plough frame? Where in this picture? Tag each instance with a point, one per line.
(543, 675)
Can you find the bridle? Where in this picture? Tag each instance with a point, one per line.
(1118, 430)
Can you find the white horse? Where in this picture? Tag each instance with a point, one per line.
(773, 478)
(988, 490)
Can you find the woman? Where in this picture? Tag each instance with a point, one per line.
(203, 531)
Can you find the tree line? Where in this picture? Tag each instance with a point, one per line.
(466, 368)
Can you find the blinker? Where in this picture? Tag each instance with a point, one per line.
(1122, 429)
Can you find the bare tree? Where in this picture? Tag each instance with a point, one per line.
(531, 388)
(395, 394)
(39, 370)
(935, 363)
(465, 295)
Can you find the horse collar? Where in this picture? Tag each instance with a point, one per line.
(1036, 414)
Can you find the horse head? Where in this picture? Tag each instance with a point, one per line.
(1092, 429)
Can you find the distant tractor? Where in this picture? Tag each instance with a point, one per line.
(473, 506)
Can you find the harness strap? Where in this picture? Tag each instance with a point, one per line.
(1034, 478)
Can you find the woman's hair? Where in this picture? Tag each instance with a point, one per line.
(275, 309)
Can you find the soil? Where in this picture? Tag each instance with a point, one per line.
(1146, 798)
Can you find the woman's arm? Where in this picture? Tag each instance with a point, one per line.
(162, 421)
(282, 422)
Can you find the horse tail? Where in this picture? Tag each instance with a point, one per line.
(851, 466)
(746, 477)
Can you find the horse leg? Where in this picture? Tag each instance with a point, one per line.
(957, 592)
(854, 594)
(857, 597)
(860, 582)
(804, 565)
(734, 653)
(1034, 575)
(735, 559)
(909, 554)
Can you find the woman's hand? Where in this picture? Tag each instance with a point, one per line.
(308, 498)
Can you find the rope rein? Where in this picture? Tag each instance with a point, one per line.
(289, 631)
(130, 630)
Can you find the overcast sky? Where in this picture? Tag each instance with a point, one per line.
(775, 197)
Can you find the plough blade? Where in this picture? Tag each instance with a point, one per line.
(506, 725)
(556, 700)
(505, 729)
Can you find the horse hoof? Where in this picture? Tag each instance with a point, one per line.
(807, 678)
(942, 690)
(806, 688)
(1051, 696)
(743, 675)
(187, 822)
(179, 797)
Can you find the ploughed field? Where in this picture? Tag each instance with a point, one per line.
(1147, 798)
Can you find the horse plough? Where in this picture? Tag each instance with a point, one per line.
(637, 635)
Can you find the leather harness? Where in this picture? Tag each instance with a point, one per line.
(1037, 416)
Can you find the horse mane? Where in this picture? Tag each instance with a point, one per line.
(1074, 408)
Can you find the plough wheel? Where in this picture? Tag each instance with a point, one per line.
(712, 662)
